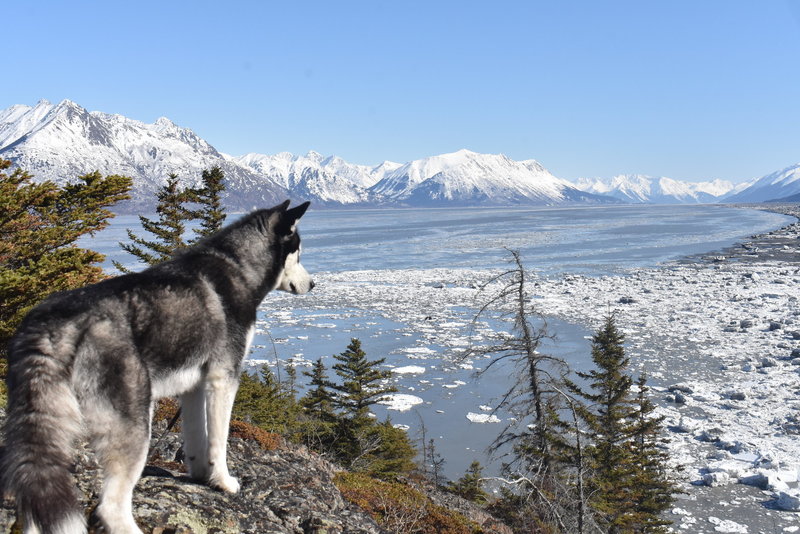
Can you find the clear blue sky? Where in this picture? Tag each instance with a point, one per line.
(693, 90)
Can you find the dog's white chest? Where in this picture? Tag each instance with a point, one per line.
(176, 383)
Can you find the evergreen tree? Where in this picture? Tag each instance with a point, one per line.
(470, 485)
(436, 463)
(628, 483)
(39, 226)
(211, 214)
(360, 388)
(320, 419)
(318, 401)
(263, 401)
(359, 443)
(654, 488)
(390, 455)
(167, 230)
(290, 385)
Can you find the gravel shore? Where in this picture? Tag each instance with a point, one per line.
(719, 336)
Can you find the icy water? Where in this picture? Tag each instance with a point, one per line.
(403, 281)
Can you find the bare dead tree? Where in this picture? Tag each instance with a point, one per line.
(527, 397)
(547, 480)
(437, 465)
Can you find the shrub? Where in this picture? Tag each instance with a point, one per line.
(400, 508)
(266, 440)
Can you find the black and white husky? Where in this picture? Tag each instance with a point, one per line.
(95, 359)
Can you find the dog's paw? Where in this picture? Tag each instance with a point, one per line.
(225, 483)
(198, 471)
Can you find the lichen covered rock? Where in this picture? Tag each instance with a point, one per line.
(286, 490)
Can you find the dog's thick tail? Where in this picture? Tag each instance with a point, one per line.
(42, 424)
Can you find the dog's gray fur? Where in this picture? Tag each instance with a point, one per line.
(94, 360)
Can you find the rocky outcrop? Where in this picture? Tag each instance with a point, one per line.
(286, 490)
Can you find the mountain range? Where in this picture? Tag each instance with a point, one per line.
(638, 188)
(63, 141)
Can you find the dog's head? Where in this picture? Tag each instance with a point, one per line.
(293, 278)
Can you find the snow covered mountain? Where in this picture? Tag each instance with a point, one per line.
(776, 186)
(328, 181)
(61, 142)
(469, 178)
(639, 188)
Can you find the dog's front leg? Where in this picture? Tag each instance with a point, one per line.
(221, 389)
(195, 436)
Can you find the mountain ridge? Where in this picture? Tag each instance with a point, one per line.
(641, 188)
(63, 141)
(776, 186)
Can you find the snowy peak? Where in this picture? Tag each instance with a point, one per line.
(325, 180)
(640, 188)
(65, 141)
(775, 186)
(17, 121)
(467, 178)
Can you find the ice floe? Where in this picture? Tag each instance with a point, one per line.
(409, 370)
(482, 418)
(400, 401)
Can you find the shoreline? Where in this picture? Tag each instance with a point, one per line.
(719, 336)
(769, 246)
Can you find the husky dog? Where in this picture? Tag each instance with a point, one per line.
(95, 359)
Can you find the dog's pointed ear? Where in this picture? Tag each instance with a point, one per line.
(288, 219)
(296, 212)
(275, 214)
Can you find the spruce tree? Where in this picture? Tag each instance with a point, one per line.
(625, 485)
(361, 383)
(264, 402)
(167, 230)
(320, 419)
(39, 226)
(358, 442)
(318, 401)
(211, 214)
(391, 453)
(470, 486)
(654, 488)
(436, 464)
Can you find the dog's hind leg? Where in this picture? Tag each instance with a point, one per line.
(195, 435)
(221, 386)
(122, 452)
(117, 410)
